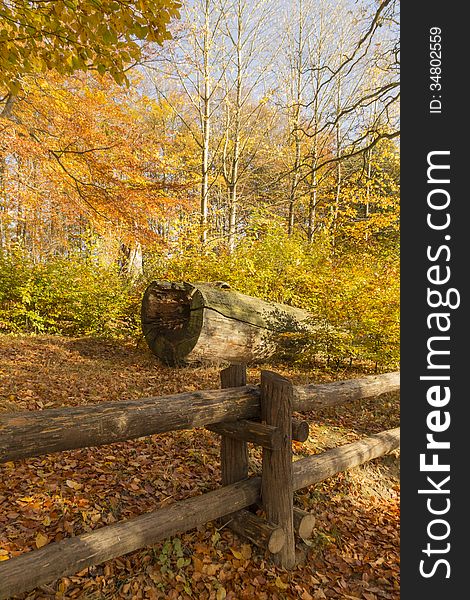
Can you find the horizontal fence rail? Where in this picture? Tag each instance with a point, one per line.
(60, 559)
(58, 429)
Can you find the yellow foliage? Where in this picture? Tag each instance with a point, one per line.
(78, 35)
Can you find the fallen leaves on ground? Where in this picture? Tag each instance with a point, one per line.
(353, 553)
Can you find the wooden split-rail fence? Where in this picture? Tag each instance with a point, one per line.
(240, 414)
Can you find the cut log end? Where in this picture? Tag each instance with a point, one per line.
(277, 540)
(257, 530)
(170, 324)
(304, 522)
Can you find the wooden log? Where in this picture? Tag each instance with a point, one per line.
(304, 522)
(308, 397)
(260, 434)
(300, 430)
(314, 469)
(33, 433)
(233, 452)
(261, 533)
(60, 559)
(277, 474)
(57, 429)
(184, 322)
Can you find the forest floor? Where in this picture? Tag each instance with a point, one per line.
(354, 551)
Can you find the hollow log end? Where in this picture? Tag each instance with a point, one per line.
(300, 430)
(171, 321)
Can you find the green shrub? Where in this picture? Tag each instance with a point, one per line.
(353, 297)
(69, 296)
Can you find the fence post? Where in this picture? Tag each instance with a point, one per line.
(277, 488)
(233, 452)
(234, 465)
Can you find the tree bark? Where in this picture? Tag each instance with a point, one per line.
(205, 111)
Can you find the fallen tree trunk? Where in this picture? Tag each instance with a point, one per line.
(184, 322)
(33, 433)
(59, 559)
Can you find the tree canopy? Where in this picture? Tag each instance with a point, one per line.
(78, 35)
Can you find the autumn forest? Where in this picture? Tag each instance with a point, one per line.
(248, 149)
(258, 146)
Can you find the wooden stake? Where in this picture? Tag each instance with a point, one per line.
(258, 530)
(304, 522)
(277, 476)
(233, 452)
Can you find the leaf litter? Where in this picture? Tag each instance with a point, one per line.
(354, 550)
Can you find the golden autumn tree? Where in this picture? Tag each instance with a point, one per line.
(370, 202)
(80, 155)
(52, 147)
(37, 36)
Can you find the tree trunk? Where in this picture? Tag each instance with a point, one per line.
(185, 322)
(205, 111)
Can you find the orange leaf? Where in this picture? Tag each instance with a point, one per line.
(198, 564)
